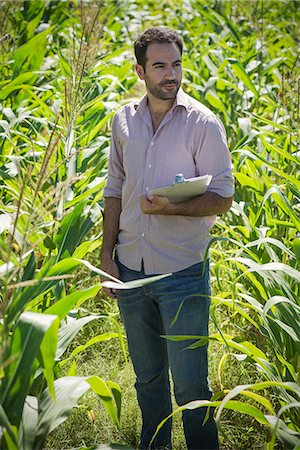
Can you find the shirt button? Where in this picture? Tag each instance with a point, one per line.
(150, 166)
(147, 189)
(143, 234)
(152, 143)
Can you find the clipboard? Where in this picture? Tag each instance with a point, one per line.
(183, 188)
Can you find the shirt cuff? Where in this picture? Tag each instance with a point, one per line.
(223, 185)
(113, 187)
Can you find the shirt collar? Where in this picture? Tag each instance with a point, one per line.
(181, 100)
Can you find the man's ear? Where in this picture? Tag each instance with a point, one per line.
(140, 71)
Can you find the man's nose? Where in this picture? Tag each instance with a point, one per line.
(170, 73)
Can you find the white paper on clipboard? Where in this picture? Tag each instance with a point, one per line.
(184, 190)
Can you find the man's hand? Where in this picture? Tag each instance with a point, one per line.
(155, 204)
(109, 266)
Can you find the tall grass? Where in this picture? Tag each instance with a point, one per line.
(65, 68)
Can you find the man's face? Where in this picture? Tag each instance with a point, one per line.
(163, 71)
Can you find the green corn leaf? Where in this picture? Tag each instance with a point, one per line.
(24, 348)
(215, 101)
(221, 366)
(241, 74)
(245, 347)
(93, 133)
(28, 424)
(269, 122)
(271, 273)
(261, 287)
(230, 404)
(19, 82)
(42, 103)
(253, 155)
(249, 349)
(273, 64)
(280, 300)
(288, 329)
(286, 435)
(235, 306)
(47, 355)
(231, 26)
(259, 386)
(134, 283)
(8, 442)
(269, 240)
(33, 13)
(275, 149)
(115, 389)
(41, 286)
(67, 392)
(85, 195)
(245, 408)
(31, 54)
(103, 390)
(72, 372)
(289, 366)
(205, 339)
(210, 15)
(107, 447)
(211, 66)
(98, 271)
(29, 268)
(62, 307)
(233, 405)
(121, 338)
(274, 267)
(86, 247)
(296, 248)
(100, 338)
(259, 399)
(67, 238)
(68, 331)
(248, 181)
(6, 425)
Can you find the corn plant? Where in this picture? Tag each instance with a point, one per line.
(64, 69)
(53, 142)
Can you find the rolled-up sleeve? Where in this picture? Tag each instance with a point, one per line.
(115, 175)
(213, 157)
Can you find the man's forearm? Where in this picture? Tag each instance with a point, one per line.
(112, 211)
(208, 204)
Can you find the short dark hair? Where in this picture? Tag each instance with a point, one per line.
(155, 34)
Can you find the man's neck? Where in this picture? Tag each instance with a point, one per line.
(159, 107)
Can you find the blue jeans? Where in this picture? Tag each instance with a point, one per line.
(147, 314)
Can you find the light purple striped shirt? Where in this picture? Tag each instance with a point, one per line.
(190, 140)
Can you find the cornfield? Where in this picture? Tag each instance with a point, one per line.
(65, 67)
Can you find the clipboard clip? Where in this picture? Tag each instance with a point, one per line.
(179, 178)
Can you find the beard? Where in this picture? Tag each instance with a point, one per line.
(158, 92)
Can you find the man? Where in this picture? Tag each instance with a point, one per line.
(153, 139)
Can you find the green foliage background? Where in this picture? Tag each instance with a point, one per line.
(65, 66)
